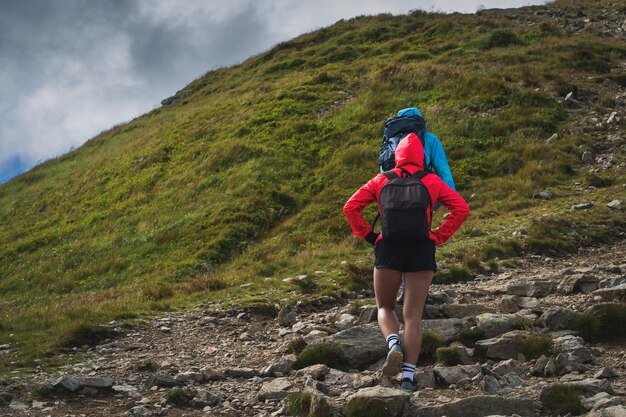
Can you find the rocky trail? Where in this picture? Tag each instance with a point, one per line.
(240, 363)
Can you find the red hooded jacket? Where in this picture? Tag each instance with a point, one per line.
(409, 156)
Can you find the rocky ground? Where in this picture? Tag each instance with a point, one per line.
(528, 359)
(230, 363)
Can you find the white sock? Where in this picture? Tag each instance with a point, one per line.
(393, 339)
(408, 370)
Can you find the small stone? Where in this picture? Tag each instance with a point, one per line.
(588, 157)
(544, 195)
(539, 366)
(287, 316)
(552, 138)
(140, 411)
(513, 380)
(550, 369)
(582, 206)
(615, 205)
(17, 405)
(241, 373)
(606, 373)
(425, 379)
(490, 384)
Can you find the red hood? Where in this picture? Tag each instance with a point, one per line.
(410, 154)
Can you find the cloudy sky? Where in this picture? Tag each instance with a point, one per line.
(70, 69)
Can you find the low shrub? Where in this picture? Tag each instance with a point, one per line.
(205, 283)
(537, 345)
(561, 399)
(327, 353)
(306, 285)
(431, 341)
(180, 396)
(602, 322)
(500, 39)
(296, 345)
(452, 275)
(299, 403)
(470, 336)
(369, 409)
(358, 277)
(158, 292)
(449, 356)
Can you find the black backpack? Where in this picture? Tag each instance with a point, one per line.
(396, 129)
(404, 202)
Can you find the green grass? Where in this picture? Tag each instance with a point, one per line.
(603, 322)
(299, 403)
(561, 399)
(241, 178)
(327, 353)
(449, 356)
(537, 345)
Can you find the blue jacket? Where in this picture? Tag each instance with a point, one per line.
(434, 155)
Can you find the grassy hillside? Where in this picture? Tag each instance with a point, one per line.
(240, 178)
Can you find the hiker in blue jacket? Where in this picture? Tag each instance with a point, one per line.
(434, 161)
(434, 155)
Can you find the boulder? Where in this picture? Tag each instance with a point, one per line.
(575, 345)
(161, 381)
(599, 401)
(506, 346)
(476, 406)
(464, 310)
(425, 379)
(287, 316)
(615, 411)
(448, 328)
(360, 345)
(206, 398)
(557, 318)
(578, 283)
(449, 375)
(539, 367)
(276, 389)
(490, 384)
(507, 366)
(241, 373)
(74, 384)
(495, 324)
(617, 293)
(513, 380)
(606, 373)
(385, 401)
(368, 314)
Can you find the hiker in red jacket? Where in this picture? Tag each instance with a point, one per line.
(416, 259)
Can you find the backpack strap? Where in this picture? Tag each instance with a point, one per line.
(391, 175)
(420, 174)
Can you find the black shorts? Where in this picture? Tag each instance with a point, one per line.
(405, 257)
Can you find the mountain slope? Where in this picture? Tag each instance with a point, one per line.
(240, 177)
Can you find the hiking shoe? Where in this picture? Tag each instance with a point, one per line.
(408, 385)
(391, 366)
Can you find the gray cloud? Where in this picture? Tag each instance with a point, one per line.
(72, 68)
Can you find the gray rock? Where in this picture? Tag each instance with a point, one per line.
(241, 373)
(606, 373)
(448, 328)
(513, 380)
(582, 206)
(432, 312)
(435, 297)
(578, 283)
(140, 411)
(287, 316)
(318, 371)
(550, 369)
(557, 318)
(359, 380)
(495, 324)
(6, 396)
(545, 195)
(368, 314)
(68, 383)
(211, 375)
(361, 345)
(575, 346)
(276, 389)
(321, 405)
(505, 346)
(464, 310)
(449, 375)
(18, 406)
(477, 406)
(591, 386)
(425, 379)
(189, 376)
(539, 367)
(161, 381)
(391, 399)
(617, 293)
(507, 366)
(612, 282)
(282, 366)
(588, 157)
(490, 384)
(615, 205)
(599, 401)
(615, 411)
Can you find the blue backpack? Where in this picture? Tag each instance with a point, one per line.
(396, 129)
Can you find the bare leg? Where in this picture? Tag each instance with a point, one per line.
(416, 286)
(386, 285)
